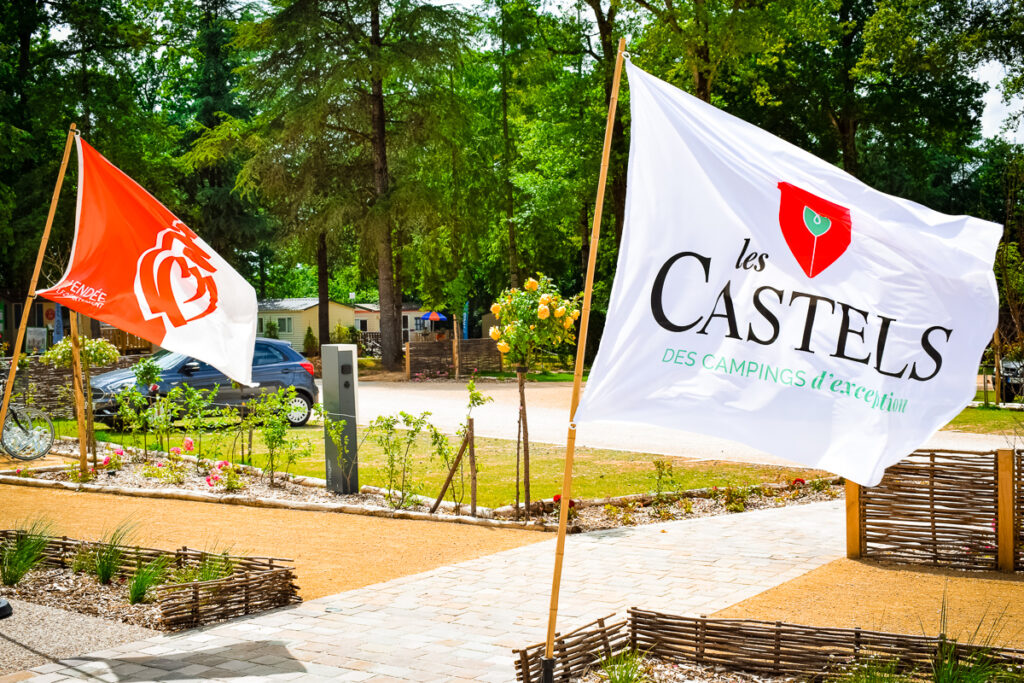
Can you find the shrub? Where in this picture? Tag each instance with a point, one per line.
(398, 461)
(270, 330)
(108, 553)
(310, 344)
(20, 555)
(212, 567)
(145, 577)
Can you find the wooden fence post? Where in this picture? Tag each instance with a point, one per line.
(408, 365)
(1005, 527)
(853, 521)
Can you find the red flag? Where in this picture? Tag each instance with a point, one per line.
(136, 266)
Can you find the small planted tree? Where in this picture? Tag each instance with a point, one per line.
(530, 319)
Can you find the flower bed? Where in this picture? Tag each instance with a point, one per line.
(175, 475)
(66, 577)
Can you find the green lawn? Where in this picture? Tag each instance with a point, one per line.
(598, 472)
(989, 421)
(542, 376)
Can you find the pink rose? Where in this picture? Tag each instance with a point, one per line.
(119, 451)
(187, 444)
(208, 482)
(176, 450)
(106, 461)
(159, 464)
(223, 463)
(215, 477)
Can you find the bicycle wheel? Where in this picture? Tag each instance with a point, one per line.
(28, 433)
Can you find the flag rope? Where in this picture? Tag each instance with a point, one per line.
(581, 345)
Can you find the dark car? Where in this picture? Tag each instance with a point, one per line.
(274, 365)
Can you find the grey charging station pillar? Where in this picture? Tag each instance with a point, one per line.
(341, 391)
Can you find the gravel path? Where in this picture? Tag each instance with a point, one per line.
(35, 635)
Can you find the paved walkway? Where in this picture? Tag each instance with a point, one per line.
(460, 622)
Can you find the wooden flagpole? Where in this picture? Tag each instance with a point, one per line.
(20, 338)
(577, 380)
(79, 392)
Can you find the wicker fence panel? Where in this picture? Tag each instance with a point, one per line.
(49, 388)
(574, 652)
(435, 358)
(256, 583)
(935, 507)
(787, 649)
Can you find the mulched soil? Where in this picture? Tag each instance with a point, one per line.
(595, 517)
(590, 518)
(669, 672)
(82, 593)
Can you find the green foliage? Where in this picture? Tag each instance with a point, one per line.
(74, 473)
(146, 371)
(383, 430)
(344, 335)
(108, 553)
(213, 566)
(270, 330)
(23, 553)
(145, 577)
(95, 352)
(875, 671)
(310, 344)
(664, 479)
(533, 317)
(627, 666)
(267, 414)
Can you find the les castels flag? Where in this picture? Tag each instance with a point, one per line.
(136, 266)
(765, 296)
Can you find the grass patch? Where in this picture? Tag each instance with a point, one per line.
(20, 555)
(598, 472)
(988, 421)
(537, 376)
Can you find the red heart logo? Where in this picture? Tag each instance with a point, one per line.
(816, 230)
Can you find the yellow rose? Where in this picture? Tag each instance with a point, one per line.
(575, 314)
(568, 323)
(503, 347)
(531, 285)
(495, 309)
(543, 312)
(533, 327)
(545, 299)
(495, 333)
(560, 311)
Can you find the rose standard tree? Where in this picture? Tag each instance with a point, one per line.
(533, 318)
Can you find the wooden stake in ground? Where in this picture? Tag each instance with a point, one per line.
(521, 377)
(20, 337)
(577, 380)
(472, 466)
(76, 384)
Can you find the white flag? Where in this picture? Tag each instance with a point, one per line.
(765, 296)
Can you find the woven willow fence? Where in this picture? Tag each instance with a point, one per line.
(255, 583)
(942, 507)
(759, 646)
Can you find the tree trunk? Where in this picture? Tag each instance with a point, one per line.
(322, 276)
(521, 376)
(846, 126)
(390, 326)
(513, 247)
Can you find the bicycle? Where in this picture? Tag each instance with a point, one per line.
(28, 432)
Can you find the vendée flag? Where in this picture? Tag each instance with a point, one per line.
(136, 266)
(766, 296)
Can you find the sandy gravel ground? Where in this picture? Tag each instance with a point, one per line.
(548, 409)
(900, 599)
(332, 552)
(36, 635)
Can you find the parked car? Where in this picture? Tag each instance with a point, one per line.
(1013, 380)
(275, 365)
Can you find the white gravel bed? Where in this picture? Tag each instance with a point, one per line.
(669, 672)
(36, 635)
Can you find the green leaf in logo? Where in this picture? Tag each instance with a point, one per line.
(818, 225)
